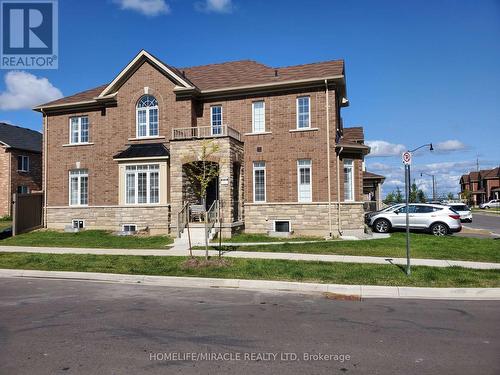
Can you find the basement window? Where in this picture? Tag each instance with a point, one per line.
(78, 224)
(129, 228)
(282, 226)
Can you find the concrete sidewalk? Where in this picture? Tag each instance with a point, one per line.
(356, 291)
(256, 255)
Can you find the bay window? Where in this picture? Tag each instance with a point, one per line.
(142, 184)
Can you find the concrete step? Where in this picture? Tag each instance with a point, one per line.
(197, 233)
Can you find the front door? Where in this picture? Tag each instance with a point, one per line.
(212, 192)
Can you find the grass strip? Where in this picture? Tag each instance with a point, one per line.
(257, 269)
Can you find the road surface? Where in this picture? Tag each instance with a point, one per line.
(81, 327)
(486, 222)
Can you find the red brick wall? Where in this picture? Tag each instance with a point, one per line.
(110, 132)
(111, 129)
(4, 183)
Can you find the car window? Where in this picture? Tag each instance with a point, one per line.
(411, 209)
(424, 209)
(462, 207)
(435, 209)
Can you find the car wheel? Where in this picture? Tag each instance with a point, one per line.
(382, 226)
(439, 229)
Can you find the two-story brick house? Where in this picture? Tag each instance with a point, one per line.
(20, 163)
(116, 155)
(481, 186)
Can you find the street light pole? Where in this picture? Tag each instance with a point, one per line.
(433, 184)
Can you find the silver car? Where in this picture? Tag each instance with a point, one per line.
(494, 203)
(463, 210)
(437, 219)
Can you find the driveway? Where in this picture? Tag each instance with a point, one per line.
(81, 327)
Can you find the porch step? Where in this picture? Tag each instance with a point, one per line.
(197, 231)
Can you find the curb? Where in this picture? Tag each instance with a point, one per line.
(360, 291)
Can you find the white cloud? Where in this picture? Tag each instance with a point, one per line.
(146, 7)
(449, 146)
(216, 6)
(383, 148)
(24, 91)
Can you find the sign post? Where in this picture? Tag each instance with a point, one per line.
(407, 162)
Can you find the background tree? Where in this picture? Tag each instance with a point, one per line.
(389, 198)
(398, 196)
(450, 196)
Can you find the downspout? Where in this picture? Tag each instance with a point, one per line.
(338, 192)
(44, 168)
(330, 224)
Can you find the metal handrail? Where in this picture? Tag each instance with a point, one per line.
(211, 217)
(205, 132)
(182, 219)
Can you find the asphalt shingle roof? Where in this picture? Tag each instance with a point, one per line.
(145, 150)
(233, 74)
(20, 138)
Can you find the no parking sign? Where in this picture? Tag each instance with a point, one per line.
(406, 158)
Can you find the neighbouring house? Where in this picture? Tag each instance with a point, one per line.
(20, 163)
(372, 190)
(481, 186)
(116, 155)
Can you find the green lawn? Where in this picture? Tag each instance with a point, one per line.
(339, 273)
(4, 224)
(422, 246)
(262, 237)
(87, 238)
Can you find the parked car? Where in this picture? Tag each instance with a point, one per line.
(369, 215)
(494, 203)
(437, 219)
(463, 210)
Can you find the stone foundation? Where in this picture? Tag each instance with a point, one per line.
(309, 219)
(112, 217)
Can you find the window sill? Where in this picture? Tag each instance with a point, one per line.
(22, 171)
(303, 130)
(78, 144)
(145, 138)
(258, 133)
(78, 205)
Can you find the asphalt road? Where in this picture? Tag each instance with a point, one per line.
(487, 222)
(80, 327)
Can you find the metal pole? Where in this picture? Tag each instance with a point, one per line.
(407, 198)
(433, 188)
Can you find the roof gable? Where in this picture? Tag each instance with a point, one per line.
(138, 60)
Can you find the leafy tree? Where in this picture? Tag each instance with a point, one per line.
(398, 196)
(450, 196)
(421, 197)
(389, 198)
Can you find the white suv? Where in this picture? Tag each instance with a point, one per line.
(439, 220)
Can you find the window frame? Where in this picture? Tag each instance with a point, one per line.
(147, 110)
(351, 167)
(23, 158)
(81, 174)
(135, 173)
(263, 116)
(129, 225)
(212, 126)
(78, 223)
(265, 181)
(298, 180)
(308, 112)
(23, 186)
(79, 130)
(284, 220)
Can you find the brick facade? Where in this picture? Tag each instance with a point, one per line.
(113, 129)
(11, 178)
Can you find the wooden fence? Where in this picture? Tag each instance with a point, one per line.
(27, 212)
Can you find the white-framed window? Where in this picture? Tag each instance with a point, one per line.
(142, 184)
(216, 119)
(147, 117)
(78, 187)
(259, 181)
(283, 226)
(79, 129)
(78, 223)
(23, 189)
(23, 163)
(304, 180)
(258, 116)
(129, 228)
(348, 180)
(303, 112)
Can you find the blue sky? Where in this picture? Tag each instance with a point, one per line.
(417, 72)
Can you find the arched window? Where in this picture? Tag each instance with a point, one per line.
(147, 117)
